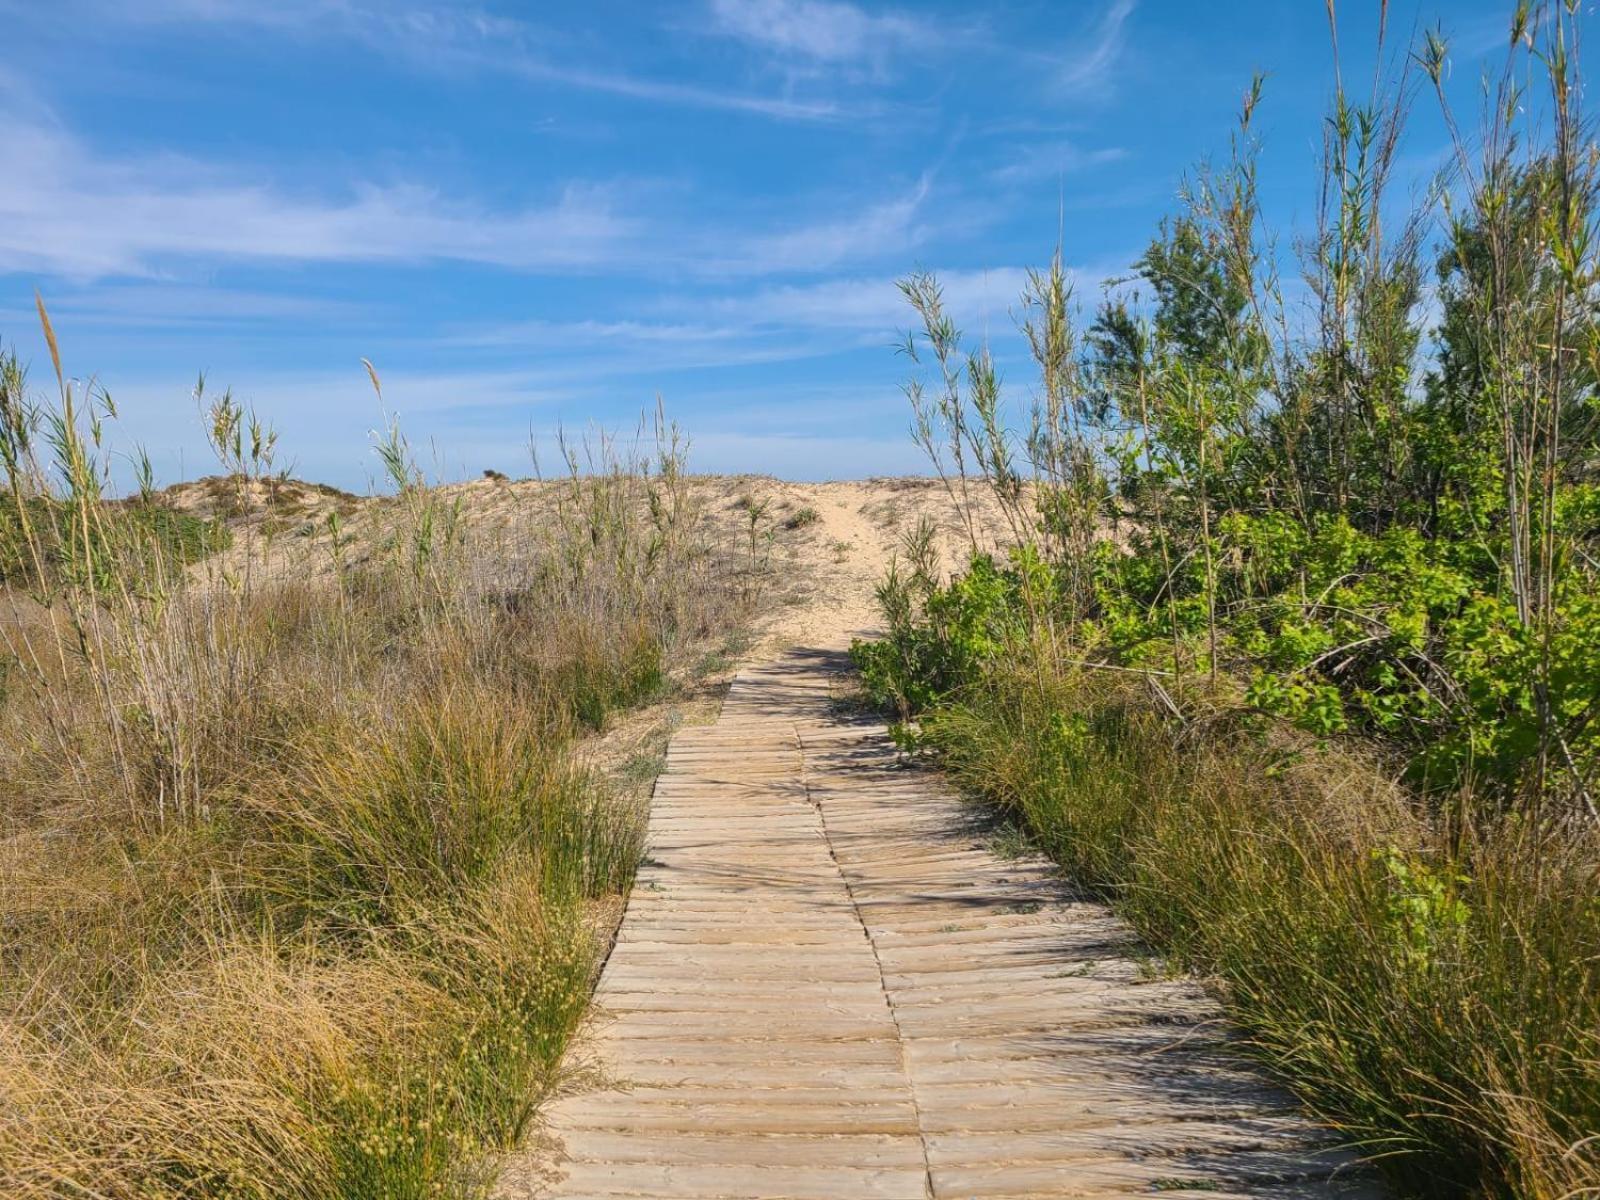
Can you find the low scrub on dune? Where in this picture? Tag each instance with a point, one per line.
(303, 888)
(1293, 657)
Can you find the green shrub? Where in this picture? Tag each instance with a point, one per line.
(137, 537)
(1296, 657)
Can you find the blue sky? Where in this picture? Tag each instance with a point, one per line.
(532, 215)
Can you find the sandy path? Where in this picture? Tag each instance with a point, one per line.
(832, 566)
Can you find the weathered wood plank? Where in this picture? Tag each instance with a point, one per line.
(827, 985)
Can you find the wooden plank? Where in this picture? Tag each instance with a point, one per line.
(826, 984)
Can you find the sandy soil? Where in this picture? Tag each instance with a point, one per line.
(825, 571)
(815, 551)
(822, 547)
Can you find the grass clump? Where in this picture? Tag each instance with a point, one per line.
(303, 886)
(167, 537)
(398, 819)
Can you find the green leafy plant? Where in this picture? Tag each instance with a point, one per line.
(1295, 652)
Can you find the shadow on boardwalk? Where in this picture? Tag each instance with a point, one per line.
(828, 985)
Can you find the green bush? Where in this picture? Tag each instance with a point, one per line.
(1296, 657)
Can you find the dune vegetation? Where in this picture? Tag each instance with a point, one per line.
(310, 849)
(1296, 658)
(303, 885)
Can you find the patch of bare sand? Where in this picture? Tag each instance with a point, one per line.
(814, 552)
(832, 544)
(820, 549)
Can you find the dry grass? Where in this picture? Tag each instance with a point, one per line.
(1431, 988)
(302, 885)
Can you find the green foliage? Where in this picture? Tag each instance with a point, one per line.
(140, 537)
(1377, 534)
(1297, 659)
(941, 636)
(1424, 910)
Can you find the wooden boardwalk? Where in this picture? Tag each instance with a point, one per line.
(826, 985)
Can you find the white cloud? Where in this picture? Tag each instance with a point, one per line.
(982, 302)
(66, 211)
(890, 227)
(1052, 160)
(870, 305)
(1090, 70)
(821, 30)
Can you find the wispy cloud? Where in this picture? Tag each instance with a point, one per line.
(1052, 160)
(870, 305)
(587, 334)
(182, 306)
(765, 324)
(1091, 68)
(1481, 36)
(825, 31)
(982, 302)
(639, 88)
(578, 353)
(890, 227)
(68, 211)
(449, 36)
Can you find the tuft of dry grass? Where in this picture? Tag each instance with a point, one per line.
(302, 887)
